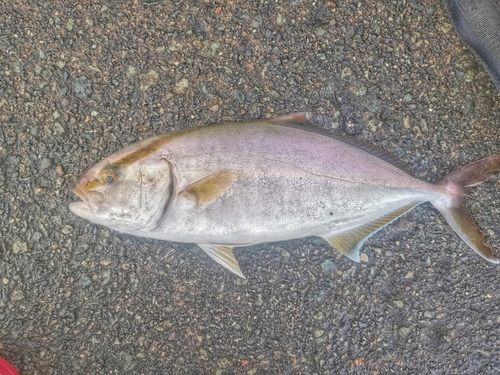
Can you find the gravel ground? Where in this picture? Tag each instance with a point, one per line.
(81, 79)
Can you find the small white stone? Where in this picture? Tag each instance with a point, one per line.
(19, 247)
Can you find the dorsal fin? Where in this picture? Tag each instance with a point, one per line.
(300, 118)
(350, 241)
(301, 121)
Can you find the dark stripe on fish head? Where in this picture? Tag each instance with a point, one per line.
(151, 147)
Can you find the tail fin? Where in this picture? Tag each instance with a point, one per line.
(457, 183)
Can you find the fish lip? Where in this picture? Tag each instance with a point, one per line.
(81, 194)
(91, 200)
(79, 208)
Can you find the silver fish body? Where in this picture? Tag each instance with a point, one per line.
(237, 184)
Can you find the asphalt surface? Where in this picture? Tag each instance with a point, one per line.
(81, 79)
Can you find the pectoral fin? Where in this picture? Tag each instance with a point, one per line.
(208, 189)
(223, 255)
(349, 242)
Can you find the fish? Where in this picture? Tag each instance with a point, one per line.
(236, 184)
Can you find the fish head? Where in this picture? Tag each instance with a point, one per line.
(124, 193)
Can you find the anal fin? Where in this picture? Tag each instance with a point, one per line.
(349, 241)
(223, 255)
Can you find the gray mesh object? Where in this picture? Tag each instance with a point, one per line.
(477, 23)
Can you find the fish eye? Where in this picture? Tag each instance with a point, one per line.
(109, 175)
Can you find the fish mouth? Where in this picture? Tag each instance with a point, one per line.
(91, 202)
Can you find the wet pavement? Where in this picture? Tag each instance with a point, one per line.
(81, 79)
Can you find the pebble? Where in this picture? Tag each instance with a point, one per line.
(257, 21)
(19, 247)
(106, 277)
(404, 331)
(407, 98)
(67, 229)
(181, 86)
(5, 281)
(373, 104)
(85, 280)
(60, 170)
(361, 91)
(240, 96)
(406, 122)
(209, 49)
(57, 129)
(131, 70)
(424, 128)
(319, 31)
(45, 163)
(70, 24)
(359, 361)
(346, 72)
(469, 75)
(318, 333)
(149, 79)
(47, 74)
(82, 87)
(17, 295)
(399, 303)
(128, 363)
(328, 266)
